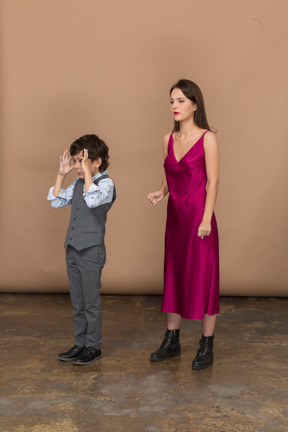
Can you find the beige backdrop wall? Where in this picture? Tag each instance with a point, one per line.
(71, 67)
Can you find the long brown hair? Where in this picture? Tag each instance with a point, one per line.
(192, 92)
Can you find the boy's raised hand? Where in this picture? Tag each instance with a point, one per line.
(87, 170)
(85, 160)
(65, 164)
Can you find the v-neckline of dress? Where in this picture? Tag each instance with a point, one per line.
(178, 161)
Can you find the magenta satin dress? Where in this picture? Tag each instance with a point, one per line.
(191, 269)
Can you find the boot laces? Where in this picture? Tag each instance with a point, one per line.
(204, 347)
(167, 339)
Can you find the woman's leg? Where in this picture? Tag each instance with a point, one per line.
(173, 321)
(208, 325)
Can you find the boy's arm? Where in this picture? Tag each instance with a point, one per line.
(58, 184)
(99, 194)
(86, 170)
(96, 195)
(57, 196)
(64, 197)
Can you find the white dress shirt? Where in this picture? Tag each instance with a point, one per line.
(95, 196)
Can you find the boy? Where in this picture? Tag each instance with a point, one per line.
(91, 195)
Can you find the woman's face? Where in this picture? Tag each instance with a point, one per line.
(182, 108)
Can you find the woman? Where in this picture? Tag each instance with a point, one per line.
(191, 269)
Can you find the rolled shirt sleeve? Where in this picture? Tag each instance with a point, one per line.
(64, 198)
(99, 194)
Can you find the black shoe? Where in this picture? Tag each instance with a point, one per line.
(71, 354)
(204, 356)
(87, 356)
(170, 347)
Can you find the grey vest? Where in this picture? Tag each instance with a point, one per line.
(87, 225)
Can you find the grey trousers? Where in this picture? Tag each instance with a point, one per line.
(84, 270)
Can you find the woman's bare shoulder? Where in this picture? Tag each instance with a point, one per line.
(165, 143)
(210, 144)
(166, 137)
(210, 137)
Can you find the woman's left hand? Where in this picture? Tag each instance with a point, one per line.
(204, 229)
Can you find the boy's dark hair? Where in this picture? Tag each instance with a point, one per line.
(96, 149)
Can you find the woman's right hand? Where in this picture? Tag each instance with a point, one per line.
(65, 164)
(156, 197)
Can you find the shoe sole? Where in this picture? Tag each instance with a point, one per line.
(86, 363)
(196, 367)
(177, 354)
(67, 360)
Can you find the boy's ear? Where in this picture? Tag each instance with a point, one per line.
(97, 163)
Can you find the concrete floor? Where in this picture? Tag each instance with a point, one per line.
(245, 390)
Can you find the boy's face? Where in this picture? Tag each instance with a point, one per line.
(77, 164)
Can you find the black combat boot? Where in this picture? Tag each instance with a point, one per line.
(204, 356)
(170, 347)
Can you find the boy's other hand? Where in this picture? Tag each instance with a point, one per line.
(65, 164)
(85, 161)
(85, 157)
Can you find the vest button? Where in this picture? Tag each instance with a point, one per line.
(74, 218)
(72, 228)
(70, 238)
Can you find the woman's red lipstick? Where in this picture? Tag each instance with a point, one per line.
(175, 113)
